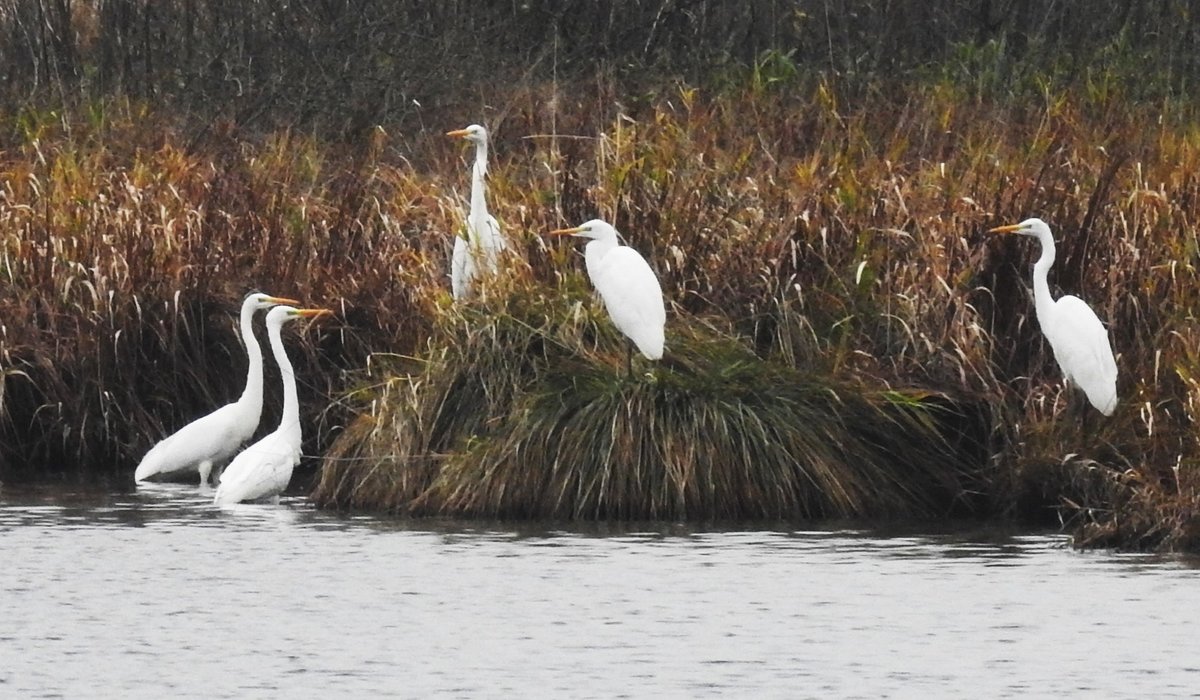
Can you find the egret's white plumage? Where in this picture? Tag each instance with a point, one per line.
(209, 441)
(629, 288)
(479, 245)
(1077, 337)
(264, 469)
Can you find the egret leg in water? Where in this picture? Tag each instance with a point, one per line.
(214, 438)
(262, 471)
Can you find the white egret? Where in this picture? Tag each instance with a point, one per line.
(629, 288)
(211, 440)
(481, 241)
(1077, 337)
(264, 469)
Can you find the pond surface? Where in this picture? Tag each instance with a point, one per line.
(159, 594)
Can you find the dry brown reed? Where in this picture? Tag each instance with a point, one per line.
(126, 255)
(847, 240)
(837, 239)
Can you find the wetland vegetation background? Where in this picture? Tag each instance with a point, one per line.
(811, 180)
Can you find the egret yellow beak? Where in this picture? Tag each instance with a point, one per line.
(459, 133)
(1011, 228)
(565, 231)
(283, 300)
(313, 313)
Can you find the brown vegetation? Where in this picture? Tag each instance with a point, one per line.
(521, 408)
(824, 224)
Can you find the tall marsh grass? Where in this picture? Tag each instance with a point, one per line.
(808, 244)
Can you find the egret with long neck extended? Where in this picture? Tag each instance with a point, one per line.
(1076, 335)
(209, 441)
(263, 470)
(478, 247)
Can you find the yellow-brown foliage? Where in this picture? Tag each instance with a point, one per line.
(836, 236)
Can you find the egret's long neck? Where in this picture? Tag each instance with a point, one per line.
(253, 393)
(595, 251)
(291, 404)
(478, 172)
(600, 247)
(1042, 300)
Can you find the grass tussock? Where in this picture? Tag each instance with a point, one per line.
(522, 409)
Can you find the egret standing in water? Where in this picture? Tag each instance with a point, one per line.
(211, 440)
(480, 243)
(264, 469)
(629, 288)
(1078, 339)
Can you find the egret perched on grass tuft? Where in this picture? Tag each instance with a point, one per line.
(1077, 337)
(480, 242)
(629, 288)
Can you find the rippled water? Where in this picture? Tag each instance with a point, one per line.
(159, 594)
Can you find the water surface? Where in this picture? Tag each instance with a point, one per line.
(159, 594)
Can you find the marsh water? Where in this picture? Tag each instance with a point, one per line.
(157, 593)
